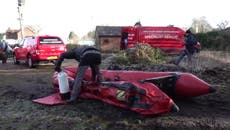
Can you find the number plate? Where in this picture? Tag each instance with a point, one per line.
(52, 57)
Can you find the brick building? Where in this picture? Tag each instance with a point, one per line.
(14, 35)
(108, 38)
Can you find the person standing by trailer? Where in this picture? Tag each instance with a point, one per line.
(5, 49)
(87, 56)
(190, 43)
(124, 40)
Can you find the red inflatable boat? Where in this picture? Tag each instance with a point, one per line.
(174, 84)
(143, 92)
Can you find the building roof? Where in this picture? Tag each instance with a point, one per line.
(32, 28)
(12, 30)
(108, 30)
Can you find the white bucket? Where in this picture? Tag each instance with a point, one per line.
(63, 85)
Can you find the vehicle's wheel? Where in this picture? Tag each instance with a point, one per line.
(15, 59)
(30, 61)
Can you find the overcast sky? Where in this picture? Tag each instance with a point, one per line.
(59, 17)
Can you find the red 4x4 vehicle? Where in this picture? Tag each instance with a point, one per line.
(34, 49)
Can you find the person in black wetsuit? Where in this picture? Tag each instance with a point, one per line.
(87, 56)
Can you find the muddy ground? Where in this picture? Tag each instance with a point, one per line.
(19, 85)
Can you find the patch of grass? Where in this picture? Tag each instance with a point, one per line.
(206, 60)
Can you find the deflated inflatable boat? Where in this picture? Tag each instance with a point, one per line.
(143, 92)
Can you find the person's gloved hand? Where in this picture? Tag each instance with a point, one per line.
(58, 69)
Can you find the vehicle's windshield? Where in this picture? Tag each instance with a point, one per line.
(50, 40)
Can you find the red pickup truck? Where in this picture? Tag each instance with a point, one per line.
(169, 39)
(35, 49)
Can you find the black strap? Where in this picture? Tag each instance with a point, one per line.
(89, 49)
(124, 86)
(165, 83)
(135, 102)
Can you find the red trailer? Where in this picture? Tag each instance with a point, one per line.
(169, 39)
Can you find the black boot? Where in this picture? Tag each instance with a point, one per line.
(71, 101)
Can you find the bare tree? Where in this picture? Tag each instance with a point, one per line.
(223, 25)
(73, 38)
(200, 25)
(1, 36)
(90, 35)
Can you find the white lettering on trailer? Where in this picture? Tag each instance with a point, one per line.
(131, 36)
(158, 36)
(155, 31)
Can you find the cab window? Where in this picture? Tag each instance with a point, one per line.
(50, 41)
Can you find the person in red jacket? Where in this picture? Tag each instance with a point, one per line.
(87, 56)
